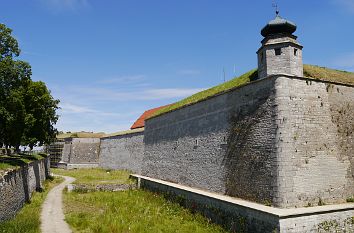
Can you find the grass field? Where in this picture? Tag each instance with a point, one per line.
(96, 176)
(126, 211)
(28, 219)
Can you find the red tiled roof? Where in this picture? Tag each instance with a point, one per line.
(140, 122)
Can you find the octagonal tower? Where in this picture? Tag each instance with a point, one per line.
(280, 52)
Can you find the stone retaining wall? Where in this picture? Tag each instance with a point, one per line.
(124, 152)
(17, 186)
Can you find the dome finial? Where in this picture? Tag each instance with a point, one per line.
(275, 5)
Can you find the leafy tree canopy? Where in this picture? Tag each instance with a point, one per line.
(27, 109)
(8, 44)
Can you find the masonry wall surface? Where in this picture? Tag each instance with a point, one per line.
(282, 140)
(122, 152)
(17, 186)
(84, 151)
(225, 144)
(315, 146)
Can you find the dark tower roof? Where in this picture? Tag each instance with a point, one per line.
(278, 25)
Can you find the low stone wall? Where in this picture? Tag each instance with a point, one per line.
(124, 152)
(237, 215)
(17, 186)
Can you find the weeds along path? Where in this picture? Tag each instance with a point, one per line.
(52, 216)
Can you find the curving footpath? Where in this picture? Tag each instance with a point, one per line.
(52, 216)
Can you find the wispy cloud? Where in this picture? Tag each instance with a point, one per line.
(345, 61)
(111, 104)
(145, 94)
(123, 79)
(189, 72)
(74, 108)
(345, 4)
(59, 5)
(77, 117)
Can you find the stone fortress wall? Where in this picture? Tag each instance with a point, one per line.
(223, 144)
(124, 151)
(17, 186)
(80, 152)
(281, 140)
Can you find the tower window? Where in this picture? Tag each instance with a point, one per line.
(295, 52)
(262, 55)
(277, 51)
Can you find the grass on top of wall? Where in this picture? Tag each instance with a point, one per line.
(310, 71)
(131, 211)
(326, 74)
(94, 176)
(15, 161)
(236, 82)
(28, 219)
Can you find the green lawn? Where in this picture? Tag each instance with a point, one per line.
(126, 211)
(28, 219)
(96, 176)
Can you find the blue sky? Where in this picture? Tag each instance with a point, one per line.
(109, 61)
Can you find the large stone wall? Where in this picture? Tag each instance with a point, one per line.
(84, 150)
(225, 144)
(80, 153)
(281, 140)
(122, 152)
(17, 186)
(315, 142)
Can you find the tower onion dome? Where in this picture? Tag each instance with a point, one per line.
(278, 25)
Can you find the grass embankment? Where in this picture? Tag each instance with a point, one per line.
(28, 219)
(310, 71)
(326, 74)
(16, 161)
(233, 83)
(126, 211)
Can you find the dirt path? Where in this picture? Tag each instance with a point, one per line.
(52, 216)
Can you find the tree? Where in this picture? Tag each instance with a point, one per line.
(40, 115)
(27, 110)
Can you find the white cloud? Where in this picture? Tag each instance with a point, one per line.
(145, 94)
(167, 93)
(76, 117)
(74, 108)
(345, 61)
(123, 79)
(65, 4)
(189, 72)
(109, 108)
(346, 4)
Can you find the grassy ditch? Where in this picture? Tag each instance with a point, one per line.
(94, 176)
(126, 211)
(28, 219)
